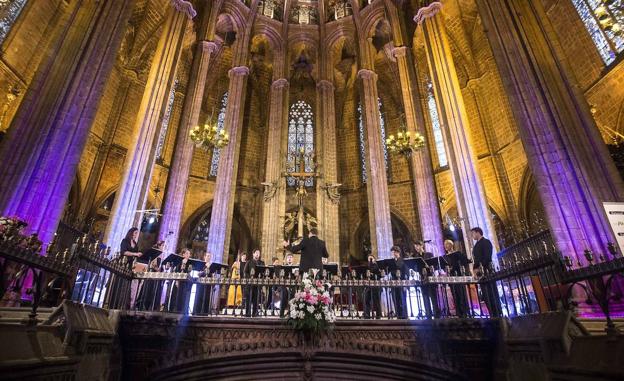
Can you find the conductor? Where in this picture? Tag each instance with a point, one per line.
(312, 250)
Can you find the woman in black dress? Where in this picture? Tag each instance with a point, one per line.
(130, 249)
(182, 290)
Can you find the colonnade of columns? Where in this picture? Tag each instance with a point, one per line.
(568, 206)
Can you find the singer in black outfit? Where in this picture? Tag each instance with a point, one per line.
(251, 271)
(203, 295)
(129, 246)
(312, 251)
(398, 271)
(458, 262)
(372, 295)
(182, 290)
(482, 255)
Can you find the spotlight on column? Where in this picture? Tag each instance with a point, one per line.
(452, 227)
(151, 220)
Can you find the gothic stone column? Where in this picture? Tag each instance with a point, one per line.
(377, 184)
(422, 171)
(569, 160)
(40, 155)
(104, 149)
(471, 201)
(275, 194)
(225, 188)
(327, 208)
(177, 182)
(132, 193)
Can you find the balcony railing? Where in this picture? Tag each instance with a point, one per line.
(534, 283)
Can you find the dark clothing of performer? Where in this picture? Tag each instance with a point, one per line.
(425, 255)
(372, 295)
(252, 291)
(397, 292)
(312, 251)
(182, 289)
(126, 245)
(482, 255)
(203, 295)
(458, 262)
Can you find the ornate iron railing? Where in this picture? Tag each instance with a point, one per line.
(537, 282)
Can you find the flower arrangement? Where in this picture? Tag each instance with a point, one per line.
(310, 309)
(11, 229)
(11, 226)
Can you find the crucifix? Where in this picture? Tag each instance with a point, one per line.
(297, 167)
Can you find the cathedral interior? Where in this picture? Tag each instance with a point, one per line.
(226, 126)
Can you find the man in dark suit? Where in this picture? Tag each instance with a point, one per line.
(372, 295)
(312, 251)
(398, 271)
(251, 271)
(482, 257)
(419, 248)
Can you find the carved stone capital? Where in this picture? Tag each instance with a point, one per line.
(325, 85)
(238, 70)
(208, 46)
(399, 51)
(367, 74)
(280, 84)
(185, 7)
(427, 12)
(332, 192)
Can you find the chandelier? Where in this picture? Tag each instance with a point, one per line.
(209, 136)
(405, 142)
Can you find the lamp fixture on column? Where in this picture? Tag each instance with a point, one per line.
(209, 136)
(405, 142)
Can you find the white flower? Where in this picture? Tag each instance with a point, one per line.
(317, 316)
(301, 314)
(310, 309)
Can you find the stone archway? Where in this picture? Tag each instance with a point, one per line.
(194, 233)
(400, 233)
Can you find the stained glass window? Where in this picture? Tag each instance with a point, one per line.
(216, 152)
(382, 125)
(435, 126)
(165, 121)
(301, 136)
(604, 24)
(9, 11)
(202, 230)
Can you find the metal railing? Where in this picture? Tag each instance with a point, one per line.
(268, 297)
(538, 282)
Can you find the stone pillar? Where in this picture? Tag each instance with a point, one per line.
(377, 184)
(567, 156)
(177, 183)
(469, 193)
(274, 204)
(103, 152)
(46, 140)
(132, 193)
(225, 187)
(326, 206)
(420, 161)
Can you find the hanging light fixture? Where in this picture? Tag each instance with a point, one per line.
(405, 142)
(209, 135)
